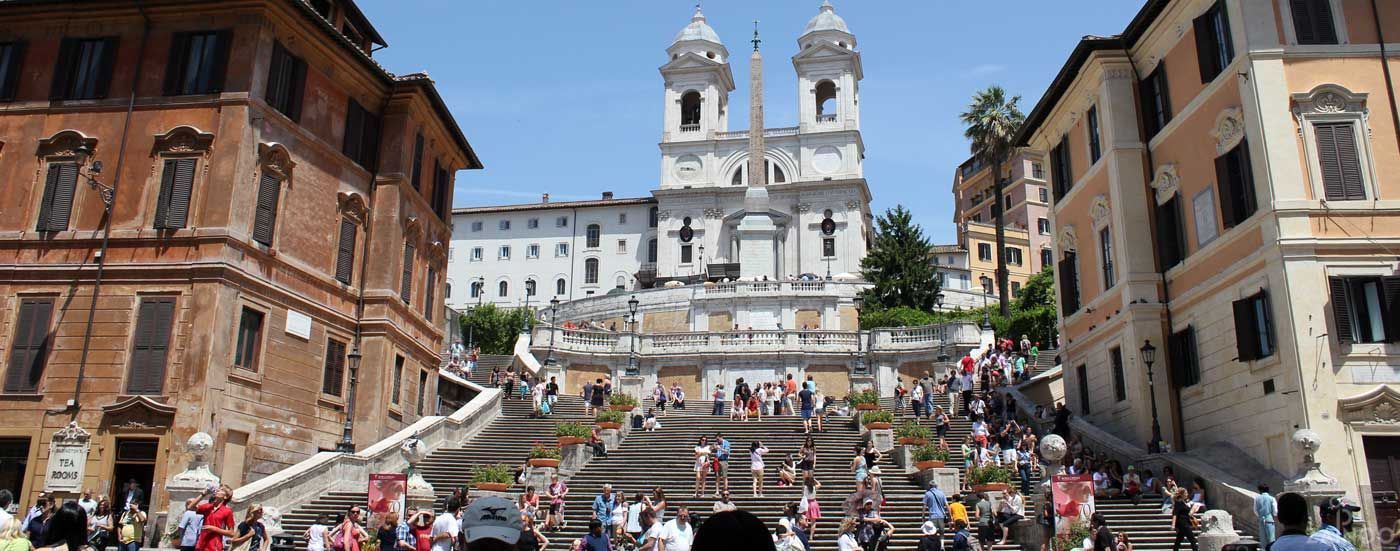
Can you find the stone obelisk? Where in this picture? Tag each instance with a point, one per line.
(757, 257)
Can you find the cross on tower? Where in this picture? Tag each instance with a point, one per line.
(755, 40)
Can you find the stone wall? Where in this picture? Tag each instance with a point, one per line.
(670, 321)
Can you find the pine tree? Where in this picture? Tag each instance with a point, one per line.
(899, 265)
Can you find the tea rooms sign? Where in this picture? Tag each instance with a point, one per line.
(68, 452)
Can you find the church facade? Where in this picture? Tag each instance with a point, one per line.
(816, 219)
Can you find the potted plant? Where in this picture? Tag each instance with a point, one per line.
(544, 456)
(492, 478)
(865, 400)
(622, 402)
(1074, 537)
(930, 457)
(572, 433)
(611, 419)
(877, 419)
(990, 478)
(912, 434)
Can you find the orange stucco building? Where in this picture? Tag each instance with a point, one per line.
(1225, 187)
(1028, 235)
(279, 201)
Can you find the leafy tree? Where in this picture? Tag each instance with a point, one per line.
(899, 316)
(992, 123)
(899, 265)
(495, 329)
(1038, 291)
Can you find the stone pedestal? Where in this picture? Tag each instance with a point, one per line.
(632, 385)
(1217, 530)
(861, 382)
(1310, 482)
(573, 458)
(904, 457)
(191, 483)
(612, 438)
(947, 478)
(883, 439)
(539, 478)
(419, 492)
(512, 494)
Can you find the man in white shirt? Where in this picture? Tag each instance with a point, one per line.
(677, 533)
(6, 499)
(87, 502)
(446, 527)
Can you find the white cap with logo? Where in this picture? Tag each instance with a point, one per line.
(491, 517)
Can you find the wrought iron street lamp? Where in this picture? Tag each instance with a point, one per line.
(942, 328)
(632, 368)
(986, 292)
(704, 272)
(860, 352)
(347, 441)
(108, 195)
(480, 286)
(553, 328)
(1149, 356)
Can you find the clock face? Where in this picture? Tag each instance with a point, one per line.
(687, 234)
(688, 168)
(828, 226)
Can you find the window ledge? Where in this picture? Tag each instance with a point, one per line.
(22, 396)
(334, 402)
(243, 375)
(1368, 350)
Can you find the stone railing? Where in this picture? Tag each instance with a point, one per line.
(678, 340)
(953, 336)
(752, 288)
(336, 471)
(604, 340)
(767, 133)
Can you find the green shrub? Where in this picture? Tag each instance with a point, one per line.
(991, 474)
(611, 417)
(863, 397)
(499, 473)
(900, 316)
(1073, 538)
(540, 451)
(619, 399)
(911, 429)
(930, 453)
(877, 416)
(576, 430)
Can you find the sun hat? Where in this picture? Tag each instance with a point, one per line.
(929, 528)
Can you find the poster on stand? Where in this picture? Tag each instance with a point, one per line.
(1074, 500)
(386, 494)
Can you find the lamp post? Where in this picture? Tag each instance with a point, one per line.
(704, 273)
(632, 368)
(108, 195)
(860, 352)
(553, 328)
(347, 441)
(828, 268)
(986, 292)
(480, 286)
(942, 328)
(525, 324)
(1149, 355)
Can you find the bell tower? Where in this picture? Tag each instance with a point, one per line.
(698, 82)
(828, 74)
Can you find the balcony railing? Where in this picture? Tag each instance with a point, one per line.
(767, 133)
(763, 288)
(690, 128)
(590, 339)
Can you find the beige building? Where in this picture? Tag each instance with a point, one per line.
(1027, 216)
(1225, 186)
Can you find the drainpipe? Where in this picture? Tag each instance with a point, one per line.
(109, 200)
(1385, 67)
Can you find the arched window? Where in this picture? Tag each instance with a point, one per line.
(651, 250)
(476, 289)
(590, 271)
(690, 110)
(826, 101)
(530, 287)
(502, 289)
(621, 282)
(593, 235)
(738, 179)
(448, 290)
(559, 286)
(775, 174)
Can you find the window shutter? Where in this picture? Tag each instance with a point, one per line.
(167, 188)
(1341, 309)
(1353, 186)
(1390, 286)
(11, 65)
(277, 73)
(57, 203)
(175, 66)
(406, 279)
(297, 88)
(417, 162)
(30, 347)
(46, 203)
(1246, 338)
(334, 371)
(1169, 242)
(1205, 47)
(1223, 190)
(150, 346)
(220, 68)
(1312, 22)
(104, 72)
(354, 128)
(345, 255)
(1329, 161)
(265, 217)
(63, 70)
(1188, 356)
(179, 208)
(1069, 287)
(1243, 177)
(428, 294)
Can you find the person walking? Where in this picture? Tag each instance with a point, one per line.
(936, 506)
(1102, 536)
(916, 399)
(132, 527)
(756, 451)
(599, 396)
(1293, 518)
(189, 526)
(420, 529)
(810, 507)
(1182, 521)
(677, 533)
(100, 525)
(1266, 507)
(596, 539)
(718, 396)
(603, 506)
(804, 400)
(218, 520)
(722, 450)
(702, 465)
(558, 489)
(446, 527)
(346, 536)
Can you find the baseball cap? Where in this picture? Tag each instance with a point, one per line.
(491, 517)
(1339, 504)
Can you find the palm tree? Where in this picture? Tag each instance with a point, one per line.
(992, 122)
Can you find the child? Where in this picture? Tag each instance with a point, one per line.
(649, 424)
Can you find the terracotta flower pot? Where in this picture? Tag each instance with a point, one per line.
(622, 408)
(544, 462)
(877, 425)
(913, 441)
(993, 487)
(570, 441)
(930, 464)
(609, 425)
(867, 407)
(491, 486)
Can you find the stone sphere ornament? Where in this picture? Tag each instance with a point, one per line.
(1307, 441)
(199, 445)
(413, 450)
(1053, 447)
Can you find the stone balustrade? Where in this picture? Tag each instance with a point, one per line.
(953, 336)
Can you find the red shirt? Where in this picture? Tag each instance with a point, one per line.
(220, 516)
(967, 364)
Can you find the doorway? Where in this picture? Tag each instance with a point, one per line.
(1383, 464)
(14, 464)
(135, 461)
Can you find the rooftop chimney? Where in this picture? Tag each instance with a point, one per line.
(545, 198)
(607, 196)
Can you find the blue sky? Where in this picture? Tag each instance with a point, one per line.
(565, 97)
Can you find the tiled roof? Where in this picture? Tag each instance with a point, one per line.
(556, 205)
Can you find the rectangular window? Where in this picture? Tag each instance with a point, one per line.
(561, 222)
(1044, 194)
(476, 226)
(1060, 169)
(1366, 309)
(651, 251)
(532, 250)
(396, 386)
(654, 217)
(429, 291)
(1313, 22)
(477, 253)
(176, 185)
(686, 257)
(532, 223)
(1007, 202)
(57, 203)
(503, 225)
(333, 374)
(29, 352)
(529, 287)
(1120, 386)
(1015, 289)
(593, 236)
(1185, 365)
(621, 218)
(1214, 50)
(1043, 226)
(265, 212)
(1339, 162)
(406, 278)
(503, 253)
(361, 142)
(84, 69)
(561, 249)
(1047, 258)
(1093, 124)
(250, 326)
(1013, 256)
(417, 178)
(621, 246)
(286, 82)
(984, 252)
(1068, 271)
(828, 247)
(590, 271)
(11, 56)
(1106, 256)
(198, 61)
(422, 390)
(977, 218)
(1156, 102)
(149, 345)
(1171, 243)
(1037, 171)
(1236, 185)
(1254, 331)
(1083, 377)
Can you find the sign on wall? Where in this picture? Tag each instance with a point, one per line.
(299, 324)
(68, 452)
(1074, 500)
(1203, 206)
(386, 493)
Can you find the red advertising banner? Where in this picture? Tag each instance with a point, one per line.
(1074, 500)
(386, 493)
